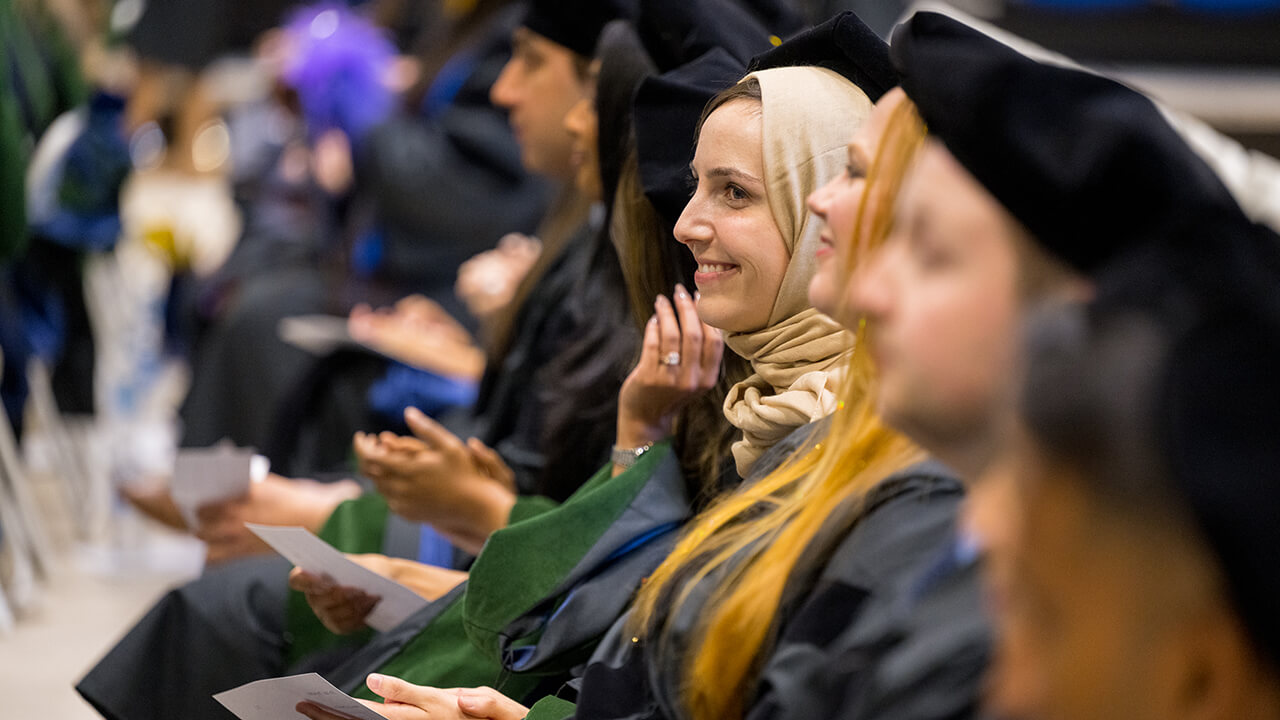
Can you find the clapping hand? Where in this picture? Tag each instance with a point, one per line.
(461, 488)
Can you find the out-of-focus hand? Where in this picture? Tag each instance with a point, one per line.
(429, 581)
(331, 162)
(485, 702)
(420, 333)
(341, 608)
(274, 501)
(679, 359)
(434, 477)
(487, 282)
(489, 462)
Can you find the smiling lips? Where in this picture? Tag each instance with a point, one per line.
(711, 272)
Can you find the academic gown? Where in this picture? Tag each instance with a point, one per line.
(540, 595)
(543, 591)
(546, 589)
(245, 609)
(888, 629)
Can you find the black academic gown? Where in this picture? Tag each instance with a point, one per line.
(885, 630)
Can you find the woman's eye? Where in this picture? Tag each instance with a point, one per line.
(931, 257)
(853, 171)
(733, 192)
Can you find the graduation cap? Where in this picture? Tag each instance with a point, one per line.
(1219, 413)
(1088, 165)
(666, 112)
(624, 64)
(1164, 389)
(575, 24)
(700, 47)
(843, 44)
(677, 31)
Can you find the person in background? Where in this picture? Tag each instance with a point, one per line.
(1127, 575)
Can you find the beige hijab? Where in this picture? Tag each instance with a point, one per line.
(797, 359)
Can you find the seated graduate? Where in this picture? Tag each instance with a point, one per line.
(452, 639)
(991, 200)
(518, 389)
(824, 542)
(1146, 484)
(1132, 576)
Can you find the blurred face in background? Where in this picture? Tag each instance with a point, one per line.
(941, 299)
(1111, 614)
(538, 86)
(582, 123)
(840, 205)
(728, 225)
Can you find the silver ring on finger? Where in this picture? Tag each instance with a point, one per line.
(671, 359)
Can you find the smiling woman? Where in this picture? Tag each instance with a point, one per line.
(760, 151)
(728, 225)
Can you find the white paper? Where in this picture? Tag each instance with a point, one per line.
(304, 549)
(276, 698)
(213, 474)
(316, 334)
(321, 335)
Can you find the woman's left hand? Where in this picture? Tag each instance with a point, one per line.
(406, 701)
(680, 357)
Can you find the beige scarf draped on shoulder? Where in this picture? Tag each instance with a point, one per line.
(797, 359)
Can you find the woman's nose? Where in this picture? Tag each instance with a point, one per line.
(692, 226)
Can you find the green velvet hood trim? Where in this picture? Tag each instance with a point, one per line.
(525, 563)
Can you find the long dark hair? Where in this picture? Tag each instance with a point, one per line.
(634, 258)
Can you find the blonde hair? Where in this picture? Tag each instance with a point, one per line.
(781, 529)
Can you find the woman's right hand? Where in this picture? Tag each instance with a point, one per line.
(658, 387)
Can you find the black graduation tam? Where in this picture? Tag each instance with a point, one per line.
(667, 109)
(1186, 409)
(843, 44)
(1220, 416)
(1088, 165)
(702, 47)
(1216, 404)
(677, 31)
(624, 64)
(575, 24)
(780, 16)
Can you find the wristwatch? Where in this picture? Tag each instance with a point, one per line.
(626, 457)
